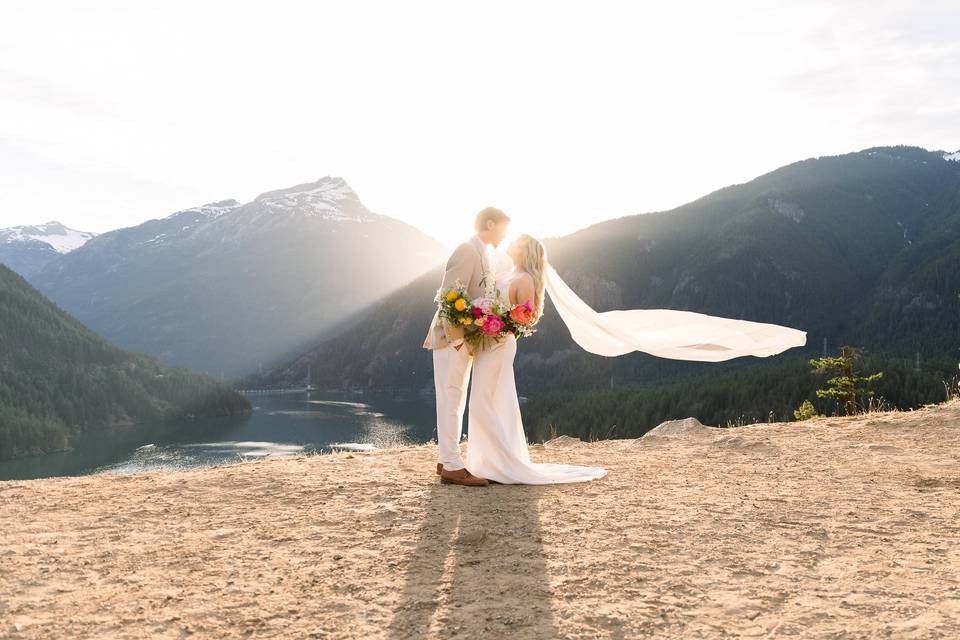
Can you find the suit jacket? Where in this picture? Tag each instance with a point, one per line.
(467, 263)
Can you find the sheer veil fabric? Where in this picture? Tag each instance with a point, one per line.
(665, 333)
(497, 447)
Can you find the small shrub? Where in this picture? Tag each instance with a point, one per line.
(806, 411)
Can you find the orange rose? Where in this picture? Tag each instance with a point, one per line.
(521, 314)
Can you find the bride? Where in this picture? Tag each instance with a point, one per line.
(497, 445)
(496, 442)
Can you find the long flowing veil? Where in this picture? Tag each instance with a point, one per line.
(678, 335)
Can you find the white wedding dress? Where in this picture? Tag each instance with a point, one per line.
(496, 443)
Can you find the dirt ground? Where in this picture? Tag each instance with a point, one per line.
(833, 528)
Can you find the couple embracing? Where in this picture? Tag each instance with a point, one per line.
(497, 445)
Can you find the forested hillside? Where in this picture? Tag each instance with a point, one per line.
(730, 395)
(58, 378)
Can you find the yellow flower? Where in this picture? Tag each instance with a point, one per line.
(466, 320)
(460, 304)
(451, 295)
(478, 322)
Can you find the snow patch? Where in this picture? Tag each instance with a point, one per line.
(331, 188)
(954, 157)
(324, 199)
(210, 210)
(60, 238)
(789, 210)
(904, 229)
(156, 238)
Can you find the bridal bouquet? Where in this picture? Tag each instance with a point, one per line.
(487, 318)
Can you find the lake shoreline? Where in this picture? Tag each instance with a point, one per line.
(274, 424)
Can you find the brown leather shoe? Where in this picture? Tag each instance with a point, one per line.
(439, 468)
(462, 476)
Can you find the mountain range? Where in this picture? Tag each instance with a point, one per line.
(861, 248)
(224, 286)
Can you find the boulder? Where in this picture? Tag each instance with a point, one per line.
(562, 441)
(686, 426)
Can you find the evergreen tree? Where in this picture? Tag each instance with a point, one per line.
(848, 385)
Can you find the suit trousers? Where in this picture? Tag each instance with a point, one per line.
(451, 375)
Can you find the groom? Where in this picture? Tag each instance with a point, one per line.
(470, 264)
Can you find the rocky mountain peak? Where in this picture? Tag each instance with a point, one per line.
(329, 197)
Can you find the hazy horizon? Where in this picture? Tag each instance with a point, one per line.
(112, 114)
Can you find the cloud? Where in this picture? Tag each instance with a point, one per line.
(20, 87)
(36, 189)
(562, 114)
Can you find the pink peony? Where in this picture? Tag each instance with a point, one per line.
(485, 304)
(492, 325)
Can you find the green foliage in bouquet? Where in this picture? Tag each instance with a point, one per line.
(454, 307)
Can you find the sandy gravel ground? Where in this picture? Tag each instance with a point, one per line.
(836, 528)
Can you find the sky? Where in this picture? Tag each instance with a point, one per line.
(562, 114)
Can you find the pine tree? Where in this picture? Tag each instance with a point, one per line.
(848, 385)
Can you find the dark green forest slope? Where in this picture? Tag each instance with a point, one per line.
(761, 392)
(58, 378)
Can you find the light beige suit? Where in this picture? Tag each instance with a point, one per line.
(466, 264)
(451, 367)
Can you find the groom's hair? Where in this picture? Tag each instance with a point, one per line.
(490, 213)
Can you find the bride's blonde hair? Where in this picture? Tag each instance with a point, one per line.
(533, 257)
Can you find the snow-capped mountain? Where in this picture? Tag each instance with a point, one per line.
(60, 237)
(176, 226)
(225, 286)
(27, 249)
(329, 198)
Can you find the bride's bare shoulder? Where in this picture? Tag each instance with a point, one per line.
(520, 284)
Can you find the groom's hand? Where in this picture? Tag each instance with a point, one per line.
(459, 266)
